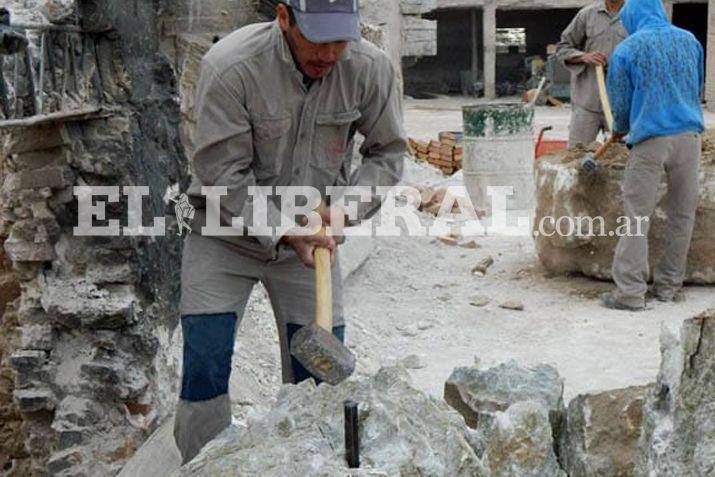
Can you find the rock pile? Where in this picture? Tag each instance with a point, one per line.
(403, 432)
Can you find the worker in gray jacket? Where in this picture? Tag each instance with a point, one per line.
(278, 104)
(587, 42)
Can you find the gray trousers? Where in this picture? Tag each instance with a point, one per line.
(679, 157)
(216, 282)
(585, 126)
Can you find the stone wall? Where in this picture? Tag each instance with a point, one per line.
(94, 356)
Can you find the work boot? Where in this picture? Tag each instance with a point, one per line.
(666, 296)
(612, 301)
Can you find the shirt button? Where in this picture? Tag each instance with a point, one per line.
(296, 171)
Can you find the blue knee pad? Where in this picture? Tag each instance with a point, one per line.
(208, 349)
(299, 372)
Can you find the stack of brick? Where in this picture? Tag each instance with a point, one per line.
(445, 154)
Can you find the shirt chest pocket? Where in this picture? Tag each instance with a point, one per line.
(270, 142)
(333, 131)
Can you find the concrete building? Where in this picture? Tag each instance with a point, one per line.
(471, 45)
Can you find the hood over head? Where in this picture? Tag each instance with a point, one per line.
(640, 14)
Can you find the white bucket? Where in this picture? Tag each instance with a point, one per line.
(499, 152)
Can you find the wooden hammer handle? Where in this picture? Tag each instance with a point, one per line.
(604, 147)
(323, 287)
(603, 92)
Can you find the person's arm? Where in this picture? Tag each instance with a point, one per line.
(620, 91)
(224, 151)
(569, 50)
(385, 143)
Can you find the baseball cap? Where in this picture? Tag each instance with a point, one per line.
(323, 21)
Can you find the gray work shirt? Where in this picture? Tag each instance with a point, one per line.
(593, 29)
(258, 124)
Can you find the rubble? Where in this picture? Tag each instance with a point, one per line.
(402, 433)
(678, 435)
(481, 268)
(602, 432)
(514, 305)
(563, 190)
(480, 301)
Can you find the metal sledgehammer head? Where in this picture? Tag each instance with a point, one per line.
(322, 354)
(589, 164)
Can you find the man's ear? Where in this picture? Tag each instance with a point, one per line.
(283, 18)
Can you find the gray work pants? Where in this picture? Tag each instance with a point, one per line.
(585, 126)
(216, 282)
(679, 157)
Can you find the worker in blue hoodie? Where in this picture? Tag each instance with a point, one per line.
(655, 82)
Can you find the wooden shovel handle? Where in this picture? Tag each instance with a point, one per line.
(323, 287)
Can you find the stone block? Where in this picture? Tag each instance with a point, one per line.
(32, 160)
(82, 302)
(64, 460)
(478, 394)
(37, 337)
(519, 443)
(79, 411)
(419, 37)
(403, 432)
(53, 177)
(26, 361)
(38, 138)
(563, 190)
(25, 251)
(602, 431)
(678, 437)
(35, 400)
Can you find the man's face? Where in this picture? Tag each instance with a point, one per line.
(315, 60)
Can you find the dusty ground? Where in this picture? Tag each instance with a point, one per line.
(413, 297)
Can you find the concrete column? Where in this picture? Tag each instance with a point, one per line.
(475, 41)
(710, 69)
(490, 49)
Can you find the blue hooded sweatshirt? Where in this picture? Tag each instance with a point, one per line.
(655, 76)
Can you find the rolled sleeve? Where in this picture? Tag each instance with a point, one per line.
(571, 44)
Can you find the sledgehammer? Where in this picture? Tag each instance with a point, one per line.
(315, 346)
(588, 163)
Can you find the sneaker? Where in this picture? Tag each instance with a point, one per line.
(610, 300)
